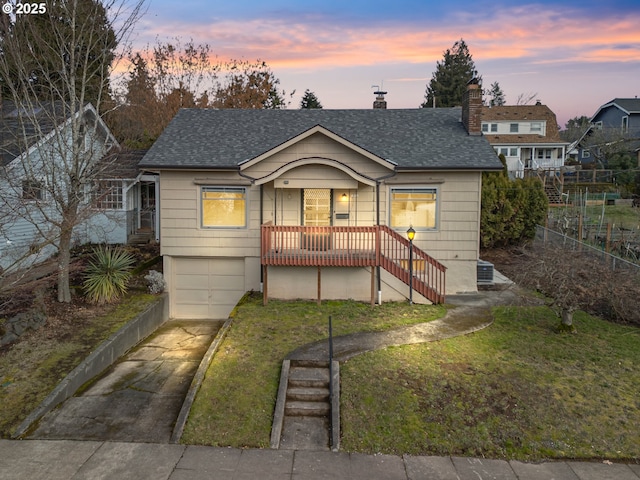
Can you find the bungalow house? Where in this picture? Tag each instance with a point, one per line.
(527, 136)
(34, 141)
(318, 203)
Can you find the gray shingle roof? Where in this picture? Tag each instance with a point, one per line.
(418, 138)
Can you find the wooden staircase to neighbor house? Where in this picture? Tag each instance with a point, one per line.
(553, 194)
(141, 237)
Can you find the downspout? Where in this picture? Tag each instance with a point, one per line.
(253, 180)
(378, 181)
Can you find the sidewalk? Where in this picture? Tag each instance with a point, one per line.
(64, 459)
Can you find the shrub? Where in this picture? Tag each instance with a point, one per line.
(155, 281)
(107, 275)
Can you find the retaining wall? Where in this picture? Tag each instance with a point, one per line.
(100, 359)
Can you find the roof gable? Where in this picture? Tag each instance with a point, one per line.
(23, 131)
(231, 139)
(524, 113)
(629, 106)
(308, 133)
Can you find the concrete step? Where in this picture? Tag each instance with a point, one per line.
(308, 394)
(306, 409)
(305, 433)
(314, 377)
(310, 363)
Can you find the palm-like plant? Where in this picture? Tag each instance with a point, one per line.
(107, 275)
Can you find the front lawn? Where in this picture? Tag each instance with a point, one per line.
(517, 389)
(235, 404)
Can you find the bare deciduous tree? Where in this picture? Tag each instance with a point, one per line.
(55, 68)
(573, 279)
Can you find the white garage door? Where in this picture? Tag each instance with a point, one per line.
(206, 288)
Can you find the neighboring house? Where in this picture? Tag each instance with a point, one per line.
(124, 199)
(617, 120)
(527, 136)
(32, 146)
(317, 204)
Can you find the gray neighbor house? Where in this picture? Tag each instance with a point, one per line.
(619, 118)
(319, 203)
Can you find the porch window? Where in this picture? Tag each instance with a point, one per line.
(107, 195)
(413, 207)
(224, 206)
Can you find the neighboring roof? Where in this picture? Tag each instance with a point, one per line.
(507, 113)
(412, 138)
(629, 106)
(20, 130)
(16, 126)
(120, 164)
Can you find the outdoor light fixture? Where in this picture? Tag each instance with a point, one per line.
(345, 197)
(411, 233)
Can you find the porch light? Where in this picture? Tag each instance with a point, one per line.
(345, 197)
(411, 233)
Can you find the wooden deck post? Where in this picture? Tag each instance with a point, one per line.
(265, 285)
(373, 286)
(319, 286)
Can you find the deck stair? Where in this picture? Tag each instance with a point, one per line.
(307, 406)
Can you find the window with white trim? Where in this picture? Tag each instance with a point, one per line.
(108, 195)
(223, 207)
(413, 207)
(514, 128)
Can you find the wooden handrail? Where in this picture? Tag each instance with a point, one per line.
(365, 246)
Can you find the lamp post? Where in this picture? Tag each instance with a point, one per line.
(411, 233)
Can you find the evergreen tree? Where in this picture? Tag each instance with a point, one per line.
(52, 58)
(496, 95)
(511, 209)
(450, 79)
(310, 100)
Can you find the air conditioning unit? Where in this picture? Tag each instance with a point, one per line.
(485, 273)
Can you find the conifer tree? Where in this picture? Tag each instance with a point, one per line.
(449, 81)
(309, 100)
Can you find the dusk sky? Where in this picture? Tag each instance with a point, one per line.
(574, 54)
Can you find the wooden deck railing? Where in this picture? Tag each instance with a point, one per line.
(368, 246)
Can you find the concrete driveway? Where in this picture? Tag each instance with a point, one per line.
(140, 397)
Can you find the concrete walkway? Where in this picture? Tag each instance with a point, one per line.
(64, 459)
(472, 313)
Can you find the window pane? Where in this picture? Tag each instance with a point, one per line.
(107, 194)
(513, 128)
(413, 207)
(223, 207)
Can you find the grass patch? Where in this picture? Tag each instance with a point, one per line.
(31, 368)
(235, 404)
(515, 390)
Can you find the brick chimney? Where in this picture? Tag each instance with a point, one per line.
(472, 108)
(380, 102)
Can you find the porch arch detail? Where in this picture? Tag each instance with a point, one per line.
(316, 161)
